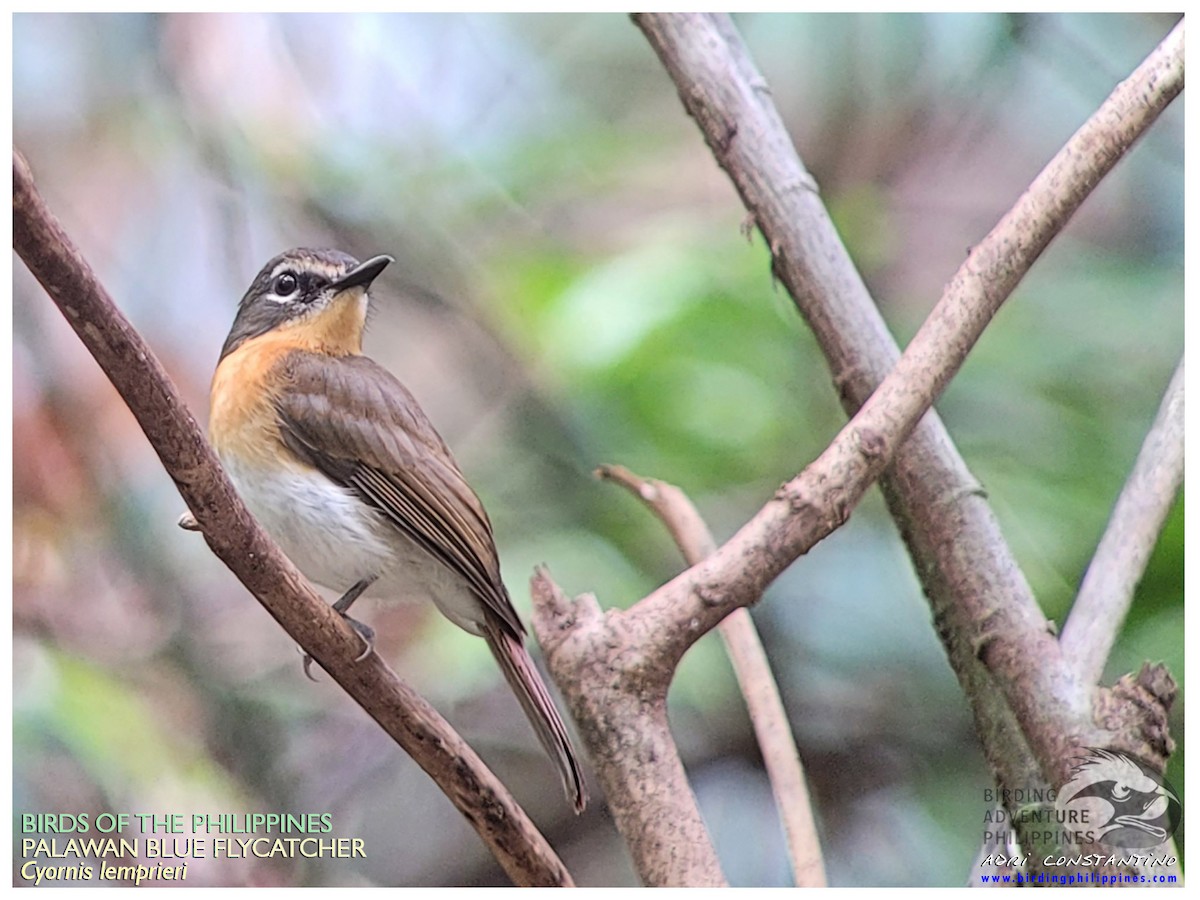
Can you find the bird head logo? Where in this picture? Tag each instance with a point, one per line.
(1121, 800)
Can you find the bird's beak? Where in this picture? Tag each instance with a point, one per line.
(362, 275)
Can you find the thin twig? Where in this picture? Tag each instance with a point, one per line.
(237, 540)
(1120, 560)
(672, 507)
(753, 671)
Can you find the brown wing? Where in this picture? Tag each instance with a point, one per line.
(351, 418)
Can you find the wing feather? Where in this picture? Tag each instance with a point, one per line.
(353, 420)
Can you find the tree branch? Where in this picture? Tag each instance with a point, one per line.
(238, 541)
(614, 667)
(1120, 560)
(620, 708)
(745, 133)
(753, 671)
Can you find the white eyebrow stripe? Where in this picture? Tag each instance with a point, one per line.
(282, 267)
(330, 272)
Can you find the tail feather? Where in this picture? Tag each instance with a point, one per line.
(531, 691)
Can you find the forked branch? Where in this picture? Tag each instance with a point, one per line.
(614, 667)
(753, 672)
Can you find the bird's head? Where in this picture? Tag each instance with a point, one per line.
(319, 297)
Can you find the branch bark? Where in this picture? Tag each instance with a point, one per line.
(237, 540)
(985, 610)
(1120, 560)
(753, 671)
(614, 667)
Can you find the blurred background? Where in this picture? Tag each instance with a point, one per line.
(573, 286)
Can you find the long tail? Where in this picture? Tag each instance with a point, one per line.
(543, 715)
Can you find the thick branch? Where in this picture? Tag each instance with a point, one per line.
(982, 605)
(984, 611)
(234, 537)
(1121, 557)
(621, 712)
(753, 671)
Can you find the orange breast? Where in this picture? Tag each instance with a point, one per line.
(242, 421)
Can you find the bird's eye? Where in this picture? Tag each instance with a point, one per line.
(285, 284)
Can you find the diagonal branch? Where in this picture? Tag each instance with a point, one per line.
(1124, 550)
(775, 740)
(614, 667)
(748, 139)
(1121, 557)
(237, 540)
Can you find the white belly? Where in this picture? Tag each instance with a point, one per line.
(336, 541)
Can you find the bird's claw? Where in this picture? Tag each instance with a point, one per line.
(365, 633)
(308, 661)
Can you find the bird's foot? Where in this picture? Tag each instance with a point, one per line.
(365, 632)
(342, 607)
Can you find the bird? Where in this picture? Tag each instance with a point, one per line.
(342, 468)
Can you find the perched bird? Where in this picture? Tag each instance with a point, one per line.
(340, 465)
